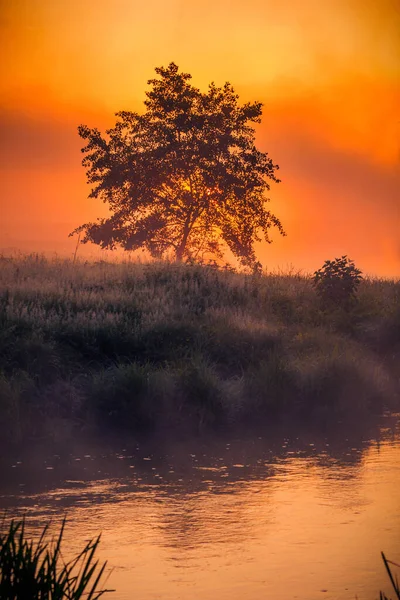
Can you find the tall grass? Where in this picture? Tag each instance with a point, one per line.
(393, 580)
(146, 345)
(36, 570)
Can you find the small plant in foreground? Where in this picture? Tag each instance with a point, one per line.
(38, 571)
(337, 281)
(393, 580)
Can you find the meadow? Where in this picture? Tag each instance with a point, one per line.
(129, 346)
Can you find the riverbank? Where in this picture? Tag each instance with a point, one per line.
(137, 347)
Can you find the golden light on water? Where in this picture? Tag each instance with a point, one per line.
(328, 74)
(236, 520)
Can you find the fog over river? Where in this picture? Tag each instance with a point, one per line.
(266, 515)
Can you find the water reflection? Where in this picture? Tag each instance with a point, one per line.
(253, 516)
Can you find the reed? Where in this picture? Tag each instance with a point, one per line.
(392, 578)
(36, 570)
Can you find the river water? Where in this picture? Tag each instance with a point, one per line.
(280, 515)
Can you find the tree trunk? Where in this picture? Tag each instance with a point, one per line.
(182, 246)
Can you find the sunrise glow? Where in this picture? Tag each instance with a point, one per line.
(328, 75)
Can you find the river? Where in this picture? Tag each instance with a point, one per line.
(282, 515)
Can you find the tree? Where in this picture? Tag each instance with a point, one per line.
(184, 177)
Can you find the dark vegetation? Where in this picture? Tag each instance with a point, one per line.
(392, 578)
(37, 570)
(145, 346)
(185, 178)
(337, 282)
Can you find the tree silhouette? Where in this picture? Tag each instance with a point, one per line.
(184, 177)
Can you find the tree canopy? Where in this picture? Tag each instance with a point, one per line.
(184, 178)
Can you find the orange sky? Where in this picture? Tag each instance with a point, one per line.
(328, 73)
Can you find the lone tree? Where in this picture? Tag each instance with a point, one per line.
(185, 177)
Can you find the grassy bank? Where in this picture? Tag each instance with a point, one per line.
(141, 346)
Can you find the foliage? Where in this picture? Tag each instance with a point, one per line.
(122, 397)
(147, 346)
(392, 579)
(185, 177)
(37, 570)
(337, 281)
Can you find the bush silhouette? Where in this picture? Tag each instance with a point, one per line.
(337, 281)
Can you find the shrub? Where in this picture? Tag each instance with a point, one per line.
(337, 281)
(234, 348)
(269, 384)
(165, 342)
(121, 396)
(202, 393)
